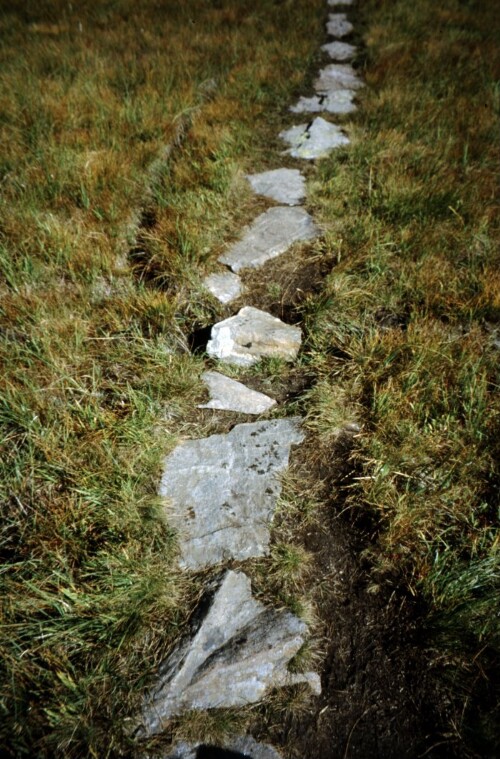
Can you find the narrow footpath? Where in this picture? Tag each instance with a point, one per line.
(222, 493)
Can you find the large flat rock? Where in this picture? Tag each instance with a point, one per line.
(270, 235)
(338, 25)
(316, 140)
(340, 51)
(252, 335)
(227, 394)
(283, 185)
(339, 102)
(222, 491)
(337, 76)
(225, 286)
(237, 651)
(245, 747)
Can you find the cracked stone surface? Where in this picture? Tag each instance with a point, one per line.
(244, 746)
(338, 25)
(225, 286)
(283, 185)
(251, 335)
(340, 51)
(338, 102)
(337, 76)
(222, 490)
(237, 651)
(227, 394)
(315, 140)
(270, 235)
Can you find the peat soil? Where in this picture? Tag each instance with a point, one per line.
(380, 698)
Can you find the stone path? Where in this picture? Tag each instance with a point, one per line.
(220, 492)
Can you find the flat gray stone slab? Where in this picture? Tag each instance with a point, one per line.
(246, 746)
(225, 286)
(339, 102)
(338, 25)
(222, 491)
(227, 394)
(337, 76)
(270, 235)
(316, 140)
(237, 651)
(335, 3)
(251, 335)
(283, 185)
(340, 51)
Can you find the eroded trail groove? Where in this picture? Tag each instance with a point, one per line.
(221, 494)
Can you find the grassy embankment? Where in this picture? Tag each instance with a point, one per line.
(97, 381)
(406, 333)
(99, 386)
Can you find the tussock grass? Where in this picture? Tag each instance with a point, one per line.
(97, 380)
(403, 334)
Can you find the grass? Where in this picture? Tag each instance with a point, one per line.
(402, 333)
(98, 381)
(104, 239)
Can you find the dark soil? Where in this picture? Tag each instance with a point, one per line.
(380, 699)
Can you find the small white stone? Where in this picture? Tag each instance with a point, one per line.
(340, 51)
(283, 185)
(270, 235)
(314, 141)
(225, 286)
(227, 394)
(337, 76)
(338, 25)
(338, 103)
(251, 335)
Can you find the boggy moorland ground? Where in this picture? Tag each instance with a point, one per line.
(388, 538)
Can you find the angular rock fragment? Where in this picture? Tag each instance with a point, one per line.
(337, 76)
(237, 651)
(225, 286)
(251, 335)
(223, 489)
(338, 25)
(227, 394)
(283, 185)
(315, 140)
(339, 102)
(245, 746)
(270, 235)
(248, 746)
(340, 51)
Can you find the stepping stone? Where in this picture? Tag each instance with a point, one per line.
(334, 3)
(316, 140)
(339, 102)
(251, 335)
(223, 490)
(338, 25)
(229, 395)
(224, 286)
(237, 651)
(340, 51)
(283, 185)
(337, 76)
(270, 235)
(245, 747)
